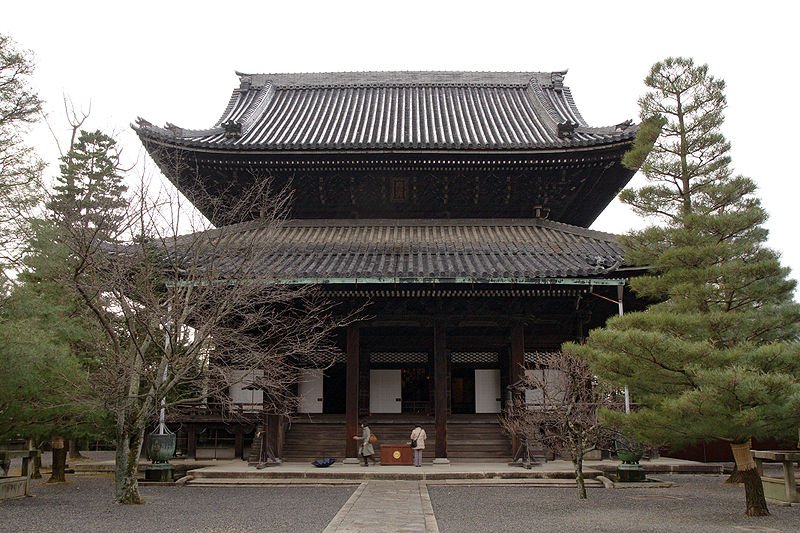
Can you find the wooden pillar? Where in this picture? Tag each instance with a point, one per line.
(191, 441)
(351, 393)
(440, 379)
(517, 371)
(238, 442)
(272, 426)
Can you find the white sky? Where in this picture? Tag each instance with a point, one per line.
(175, 61)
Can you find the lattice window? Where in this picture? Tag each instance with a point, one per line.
(475, 357)
(398, 357)
(536, 358)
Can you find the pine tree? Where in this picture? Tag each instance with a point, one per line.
(20, 169)
(47, 350)
(89, 193)
(717, 357)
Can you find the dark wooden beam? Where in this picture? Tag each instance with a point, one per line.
(440, 380)
(517, 371)
(351, 392)
(191, 441)
(238, 443)
(272, 424)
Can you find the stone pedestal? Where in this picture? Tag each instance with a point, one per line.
(627, 473)
(159, 472)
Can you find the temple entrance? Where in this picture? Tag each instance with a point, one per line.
(385, 390)
(462, 391)
(416, 391)
(488, 398)
(309, 391)
(475, 390)
(334, 384)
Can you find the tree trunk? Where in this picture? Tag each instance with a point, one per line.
(74, 450)
(129, 447)
(753, 489)
(577, 463)
(37, 466)
(58, 474)
(735, 477)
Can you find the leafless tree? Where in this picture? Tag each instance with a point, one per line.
(557, 406)
(187, 309)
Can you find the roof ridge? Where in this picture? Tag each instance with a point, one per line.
(397, 78)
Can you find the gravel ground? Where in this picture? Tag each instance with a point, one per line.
(85, 504)
(694, 504)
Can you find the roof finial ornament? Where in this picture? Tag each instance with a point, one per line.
(566, 130)
(176, 130)
(540, 211)
(244, 83)
(557, 79)
(232, 128)
(622, 126)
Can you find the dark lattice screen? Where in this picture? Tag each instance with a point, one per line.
(535, 358)
(398, 357)
(475, 357)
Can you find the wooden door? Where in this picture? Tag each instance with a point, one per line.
(488, 397)
(310, 391)
(385, 391)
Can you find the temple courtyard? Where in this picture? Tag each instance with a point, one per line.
(390, 499)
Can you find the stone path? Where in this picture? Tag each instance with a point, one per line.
(386, 507)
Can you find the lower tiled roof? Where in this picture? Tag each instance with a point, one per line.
(407, 250)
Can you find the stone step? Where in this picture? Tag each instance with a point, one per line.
(238, 482)
(278, 475)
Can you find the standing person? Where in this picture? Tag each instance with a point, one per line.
(366, 450)
(418, 437)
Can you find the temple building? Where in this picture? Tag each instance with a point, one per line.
(456, 204)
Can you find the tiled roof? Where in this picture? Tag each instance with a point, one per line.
(404, 250)
(397, 110)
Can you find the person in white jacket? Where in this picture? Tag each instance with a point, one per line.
(418, 437)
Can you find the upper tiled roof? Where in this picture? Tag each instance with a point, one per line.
(410, 250)
(397, 110)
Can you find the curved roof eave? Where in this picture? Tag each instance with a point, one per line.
(167, 140)
(396, 111)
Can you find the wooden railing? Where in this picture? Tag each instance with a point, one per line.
(220, 411)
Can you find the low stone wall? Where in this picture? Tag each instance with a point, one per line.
(13, 487)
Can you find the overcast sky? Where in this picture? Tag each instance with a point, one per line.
(175, 61)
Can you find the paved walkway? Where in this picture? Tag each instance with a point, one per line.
(386, 507)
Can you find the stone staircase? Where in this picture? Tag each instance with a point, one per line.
(471, 438)
(477, 439)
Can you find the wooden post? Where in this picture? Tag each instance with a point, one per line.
(517, 371)
(517, 354)
(440, 379)
(273, 443)
(789, 481)
(191, 441)
(238, 442)
(351, 393)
